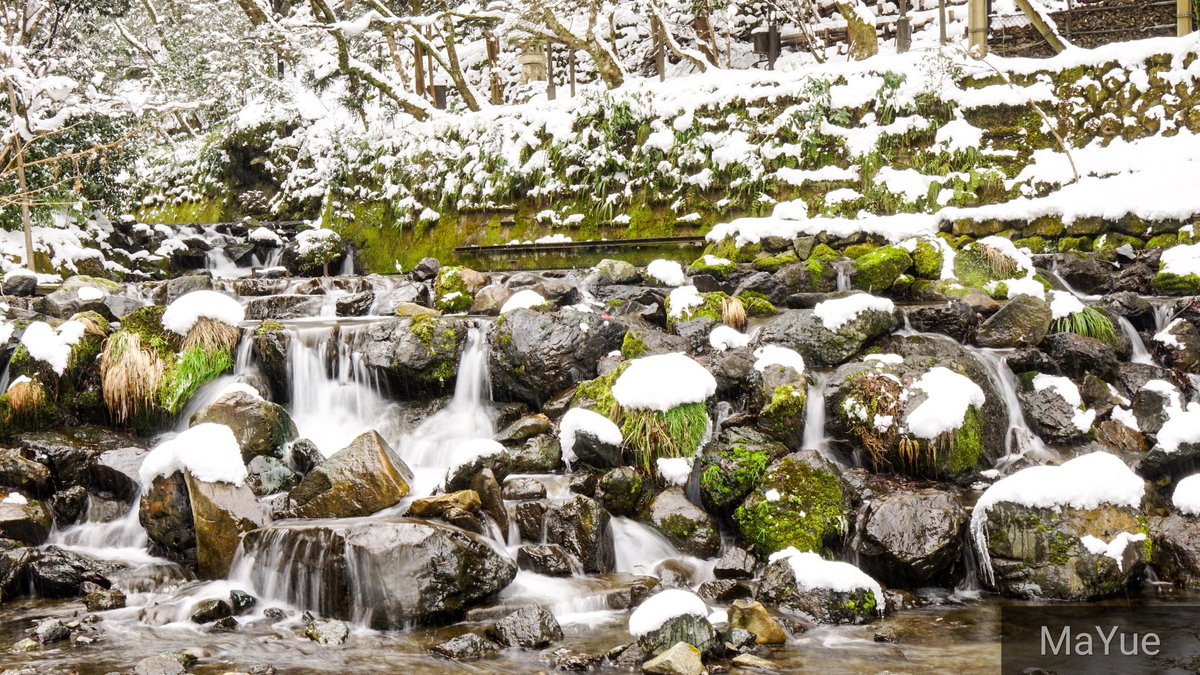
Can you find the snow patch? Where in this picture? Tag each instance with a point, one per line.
(525, 299)
(182, 314)
(209, 452)
(663, 382)
(660, 608)
(948, 396)
(836, 313)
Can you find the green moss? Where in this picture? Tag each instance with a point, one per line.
(632, 346)
(757, 304)
(775, 262)
(192, 370)
(1074, 244)
(809, 511)
(1060, 550)
(146, 323)
(784, 412)
(651, 434)
(596, 395)
(966, 446)
(729, 250)
(1175, 284)
(818, 267)
(732, 475)
(720, 268)
(878, 269)
(976, 265)
(1034, 244)
(267, 327)
(927, 260)
(856, 251)
(1163, 241)
(710, 308)
(451, 291)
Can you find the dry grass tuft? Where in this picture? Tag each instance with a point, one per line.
(212, 336)
(131, 376)
(25, 399)
(733, 313)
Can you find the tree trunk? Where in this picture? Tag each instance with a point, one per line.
(453, 67)
(26, 221)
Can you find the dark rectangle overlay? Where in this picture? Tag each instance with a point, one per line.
(1098, 639)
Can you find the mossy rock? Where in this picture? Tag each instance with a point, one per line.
(927, 260)
(729, 250)
(856, 251)
(757, 304)
(775, 262)
(733, 466)
(783, 414)
(596, 395)
(1176, 284)
(710, 308)
(720, 268)
(977, 266)
(1163, 241)
(799, 503)
(451, 292)
(878, 269)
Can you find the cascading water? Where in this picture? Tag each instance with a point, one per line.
(1140, 353)
(430, 449)
(122, 538)
(334, 396)
(843, 275)
(814, 417)
(1020, 440)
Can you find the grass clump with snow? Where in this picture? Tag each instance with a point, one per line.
(453, 296)
(1088, 322)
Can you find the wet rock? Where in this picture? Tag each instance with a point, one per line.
(752, 617)
(438, 505)
(358, 480)
(488, 488)
(327, 631)
(241, 601)
(489, 455)
(268, 476)
(733, 369)
(221, 512)
(116, 472)
(19, 285)
(1077, 355)
(1024, 320)
(1050, 415)
(23, 474)
(581, 526)
(71, 452)
(910, 537)
(416, 571)
(752, 662)
(66, 301)
(303, 455)
(733, 465)
(163, 664)
(736, 563)
(412, 309)
(1039, 552)
(537, 355)
(780, 395)
(466, 647)
(1085, 273)
(686, 525)
(23, 646)
(617, 272)
(530, 627)
(490, 299)
(799, 503)
(48, 572)
(591, 450)
(425, 270)
(529, 517)
(49, 631)
(261, 426)
(24, 519)
(549, 559)
(805, 332)
(780, 587)
(1176, 552)
(539, 454)
(225, 625)
(104, 600)
(681, 659)
(416, 355)
(67, 505)
(523, 488)
(211, 610)
(1178, 346)
(355, 304)
(523, 429)
(723, 591)
(622, 491)
(1120, 440)
(688, 629)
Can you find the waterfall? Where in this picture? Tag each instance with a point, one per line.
(1020, 440)
(1140, 353)
(334, 396)
(814, 417)
(121, 538)
(1164, 312)
(429, 450)
(843, 275)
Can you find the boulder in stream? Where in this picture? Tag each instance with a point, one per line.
(834, 332)
(262, 428)
(358, 480)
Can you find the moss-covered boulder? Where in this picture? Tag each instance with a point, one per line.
(733, 466)
(799, 503)
(686, 525)
(720, 268)
(927, 259)
(358, 480)
(987, 264)
(809, 334)
(779, 393)
(417, 355)
(804, 582)
(455, 289)
(817, 274)
(877, 270)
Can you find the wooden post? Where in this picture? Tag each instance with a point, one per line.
(977, 27)
(942, 21)
(493, 54)
(550, 92)
(903, 29)
(571, 68)
(419, 69)
(1183, 17)
(660, 64)
(429, 64)
(1040, 24)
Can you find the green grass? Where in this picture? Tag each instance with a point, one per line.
(1089, 322)
(652, 435)
(194, 369)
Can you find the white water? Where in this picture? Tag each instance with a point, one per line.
(122, 539)
(1140, 353)
(815, 437)
(843, 276)
(1020, 441)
